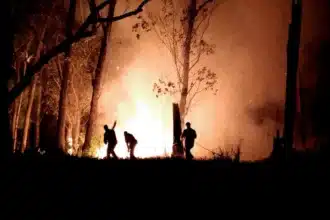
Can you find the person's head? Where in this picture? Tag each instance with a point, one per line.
(125, 133)
(106, 127)
(188, 124)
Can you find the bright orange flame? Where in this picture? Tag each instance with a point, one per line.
(149, 119)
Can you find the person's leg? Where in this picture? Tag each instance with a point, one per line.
(108, 151)
(114, 153)
(132, 156)
(189, 156)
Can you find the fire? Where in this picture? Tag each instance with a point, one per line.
(154, 137)
(148, 118)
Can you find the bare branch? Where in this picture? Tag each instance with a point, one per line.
(60, 48)
(128, 14)
(200, 51)
(57, 82)
(203, 5)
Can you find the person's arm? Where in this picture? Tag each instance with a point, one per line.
(195, 134)
(105, 140)
(114, 125)
(183, 135)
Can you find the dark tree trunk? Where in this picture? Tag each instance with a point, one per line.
(67, 75)
(186, 57)
(291, 79)
(98, 79)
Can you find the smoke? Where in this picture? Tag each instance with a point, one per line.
(250, 61)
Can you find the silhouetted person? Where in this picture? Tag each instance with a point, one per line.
(131, 143)
(111, 140)
(189, 135)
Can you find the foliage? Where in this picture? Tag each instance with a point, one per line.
(169, 26)
(233, 154)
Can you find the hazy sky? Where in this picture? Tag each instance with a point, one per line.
(250, 61)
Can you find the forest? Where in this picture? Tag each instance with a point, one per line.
(63, 55)
(66, 74)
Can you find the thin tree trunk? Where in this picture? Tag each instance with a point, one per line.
(28, 114)
(20, 74)
(186, 57)
(99, 75)
(32, 91)
(76, 122)
(68, 133)
(76, 132)
(38, 111)
(67, 75)
(16, 106)
(17, 121)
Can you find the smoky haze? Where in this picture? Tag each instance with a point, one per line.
(250, 61)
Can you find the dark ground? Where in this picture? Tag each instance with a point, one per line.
(52, 187)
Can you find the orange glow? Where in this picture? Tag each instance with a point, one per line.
(148, 118)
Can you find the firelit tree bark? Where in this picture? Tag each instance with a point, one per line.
(21, 69)
(98, 80)
(27, 119)
(76, 131)
(17, 108)
(67, 77)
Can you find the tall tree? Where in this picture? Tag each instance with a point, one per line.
(99, 78)
(27, 119)
(67, 77)
(21, 61)
(181, 29)
(16, 10)
(81, 33)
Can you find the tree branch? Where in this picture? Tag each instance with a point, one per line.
(80, 34)
(200, 51)
(194, 95)
(127, 14)
(203, 5)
